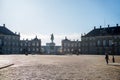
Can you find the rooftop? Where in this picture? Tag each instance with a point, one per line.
(6, 31)
(115, 30)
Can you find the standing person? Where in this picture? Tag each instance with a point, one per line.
(113, 59)
(106, 57)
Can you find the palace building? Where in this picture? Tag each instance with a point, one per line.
(101, 40)
(10, 43)
(32, 46)
(71, 47)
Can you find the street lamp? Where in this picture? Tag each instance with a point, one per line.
(113, 47)
(113, 52)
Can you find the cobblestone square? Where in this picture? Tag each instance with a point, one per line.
(60, 67)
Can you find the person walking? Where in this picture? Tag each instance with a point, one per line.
(107, 57)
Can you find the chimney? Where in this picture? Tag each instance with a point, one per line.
(117, 25)
(19, 33)
(65, 37)
(81, 34)
(84, 34)
(100, 27)
(94, 27)
(36, 36)
(108, 25)
(3, 25)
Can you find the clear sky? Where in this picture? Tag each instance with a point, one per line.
(60, 17)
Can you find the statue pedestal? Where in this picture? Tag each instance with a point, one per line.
(50, 48)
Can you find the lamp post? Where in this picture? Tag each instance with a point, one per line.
(113, 47)
(113, 52)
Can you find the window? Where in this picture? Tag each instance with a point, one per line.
(13, 44)
(79, 50)
(86, 38)
(110, 42)
(68, 50)
(13, 38)
(79, 45)
(25, 44)
(115, 37)
(68, 45)
(64, 49)
(83, 39)
(0, 42)
(5, 43)
(93, 43)
(72, 44)
(33, 44)
(104, 42)
(93, 38)
(16, 43)
(9, 37)
(33, 49)
(37, 44)
(37, 49)
(28, 49)
(72, 50)
(86, 44)
(75, 44)
(64, 44)
(29, 44)
(98, 42)
(90, 43)
(21, 49)
(90, 38)
(21, 44)
(83, 44)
